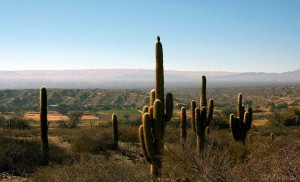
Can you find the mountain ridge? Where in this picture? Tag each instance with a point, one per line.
(139, 78)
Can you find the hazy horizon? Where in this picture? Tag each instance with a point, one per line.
(233, 36)
(145, 69)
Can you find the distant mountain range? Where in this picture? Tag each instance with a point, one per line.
(140, 78)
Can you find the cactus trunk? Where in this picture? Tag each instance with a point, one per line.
(115, 129)
(44, 125)
(183, 125)
(159, 84)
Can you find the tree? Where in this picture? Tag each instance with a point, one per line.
(62, 109)
(74, 118)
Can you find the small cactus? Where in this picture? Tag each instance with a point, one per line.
(44, 125)
(241, 124)
(115, 129)
(207, 130)
(183, 125)
(272, 135)
(152, 130)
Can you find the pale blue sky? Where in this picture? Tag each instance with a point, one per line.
(226, 35)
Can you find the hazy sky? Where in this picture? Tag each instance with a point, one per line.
(226, 35)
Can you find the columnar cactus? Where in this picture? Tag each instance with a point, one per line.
(44, 125)
(152, 131)
(241, 124)
(115, 129)
(192, 111)
(183, 125)
(272, 136)
(202, 119)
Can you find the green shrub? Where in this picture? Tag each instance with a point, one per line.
(288, 117)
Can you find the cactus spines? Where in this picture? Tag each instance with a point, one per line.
(241, 124)
(193, 107)
(115, 129)
(183, 125)
(203, 101)
(44, 125)
(160, 111)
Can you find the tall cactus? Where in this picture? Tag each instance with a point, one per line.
(152, 131)
(115, 129)
(44, 125)
(241, 124)
(183, 125)
(201, 117)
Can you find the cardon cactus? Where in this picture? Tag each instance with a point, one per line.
(183, 125)
(241, 124)
(152, 131)
(201, 118)
(115, 129)
(44, 125)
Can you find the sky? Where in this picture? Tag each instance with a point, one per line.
(197, 35)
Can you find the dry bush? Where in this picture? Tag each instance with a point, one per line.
(22, 155)
(226, 160)
(94, 168)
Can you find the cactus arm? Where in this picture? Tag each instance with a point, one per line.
(148, 138)
(152, 97)
(210, 112)
(234, 126)
(169, 107)
(158, 120)
(239, 106)
(203, 101)
(192, 111)
(197, 120)
(142, 141)
(145, 110)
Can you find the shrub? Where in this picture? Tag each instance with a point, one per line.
(19, 156)
(288, 117)
(92, 143)
(74, 118)
(220, 121)
(2, 120)
(16, 122)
